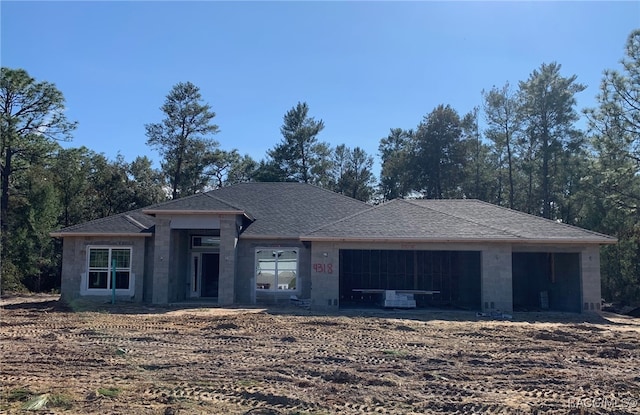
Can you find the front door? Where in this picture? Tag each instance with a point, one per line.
(205, 274)
(210, 275)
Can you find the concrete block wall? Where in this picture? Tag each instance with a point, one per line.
(497, 287)
(246, 268)
(147, 279)
(228, 242)
(325, 276)
(591, 285)
(71, 268)
(161, 260)
(74, 263)
(171, 256)
(159, 267)
(178, 265)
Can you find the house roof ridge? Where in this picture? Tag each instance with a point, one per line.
(324, 189)
(166, 202)
(134, 222)
(374, 207)
(219, 199)
(336, 193)
(104, 219)
(508, 232)
(226, 202)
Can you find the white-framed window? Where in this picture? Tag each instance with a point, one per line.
(101, 261)
(277, 269)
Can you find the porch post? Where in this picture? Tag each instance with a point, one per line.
(228, 242)
(161, 251)
(590, 275)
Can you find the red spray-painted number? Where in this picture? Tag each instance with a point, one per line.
(323, 268)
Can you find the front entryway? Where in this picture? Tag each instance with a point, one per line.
(210, 275)
(205, 274)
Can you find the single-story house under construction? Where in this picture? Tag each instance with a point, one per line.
(255, 243)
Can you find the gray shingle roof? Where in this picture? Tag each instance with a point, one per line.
(450, 220)
(201, 202)
(277, 210)
(292, 210)
(517, 223)
(287, 209)
(130, 223)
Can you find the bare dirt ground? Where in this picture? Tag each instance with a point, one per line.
(141, 360)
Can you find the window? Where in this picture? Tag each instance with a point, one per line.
(102, 261)
(276, 269)
(199, 241)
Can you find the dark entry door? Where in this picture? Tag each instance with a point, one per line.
(210, 275)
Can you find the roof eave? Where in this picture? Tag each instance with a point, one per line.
(254, 236)
(126, 234)
(192, 212)
(566, 241)
(563, 241)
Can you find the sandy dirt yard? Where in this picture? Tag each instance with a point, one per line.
(144, 360)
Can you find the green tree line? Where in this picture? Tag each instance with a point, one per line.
(520, 148)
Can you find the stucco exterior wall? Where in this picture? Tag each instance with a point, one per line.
(75, 263)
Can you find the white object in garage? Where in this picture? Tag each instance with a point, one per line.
(397, 300)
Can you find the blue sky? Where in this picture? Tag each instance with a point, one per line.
(363, 67)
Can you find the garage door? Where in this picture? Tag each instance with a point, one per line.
(546, 281)
(456, 274)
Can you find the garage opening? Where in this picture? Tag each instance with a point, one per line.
(546, 281)
(456, 274)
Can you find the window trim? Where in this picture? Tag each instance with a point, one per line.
(84, 283)
(275, 289)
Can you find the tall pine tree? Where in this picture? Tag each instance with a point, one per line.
(183, 138)
(549, 114)
(300, 156)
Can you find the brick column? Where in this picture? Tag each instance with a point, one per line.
(497, 281)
